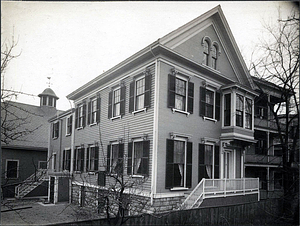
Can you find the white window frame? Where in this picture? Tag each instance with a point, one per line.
(113, 103)
(135, 110)
(69, 122)
(111, 151)
(185, 140)
(54, 135)
(88, 168)
(80, 116)
(213, 157)
(177, 76)
(93, 111)
(18, 168)
(132, 161)
(244, 110)
(214, 105)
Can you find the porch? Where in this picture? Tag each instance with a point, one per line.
(221, 188)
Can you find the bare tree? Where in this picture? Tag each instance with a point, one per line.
(279, 63)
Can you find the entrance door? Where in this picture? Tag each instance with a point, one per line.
(228, 164)
(52, 180)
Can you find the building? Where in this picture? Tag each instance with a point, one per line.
(24, 145)
(178, 114)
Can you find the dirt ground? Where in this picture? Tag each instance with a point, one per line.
(34, 212)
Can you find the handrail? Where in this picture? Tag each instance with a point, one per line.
(195, 189)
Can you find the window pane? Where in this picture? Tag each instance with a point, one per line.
(180, 102)
(140, 102)
(180, 87)
(138, 154)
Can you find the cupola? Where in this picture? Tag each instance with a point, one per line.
(48, 98)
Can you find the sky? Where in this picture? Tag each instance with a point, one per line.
(74, 42)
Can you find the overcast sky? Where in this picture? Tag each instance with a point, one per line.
(73, 42)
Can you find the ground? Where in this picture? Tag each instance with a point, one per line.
(34, 212)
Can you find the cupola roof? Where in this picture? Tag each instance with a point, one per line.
(48, 92)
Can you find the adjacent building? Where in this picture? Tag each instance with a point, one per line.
(24, 145)
(179, 114)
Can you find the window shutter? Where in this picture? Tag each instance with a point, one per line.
(98, 109)
(101, 178)
(171, 91)
(110, 95)
(147, 97)
(131, 96)
(217, 107)
(64, 160)
(201, 168)
(96, 158)
(76, 117)
(169, 165)
(53, 129)
(89, 112)
(87, 158)
(82, 159)
(120, 159)
(84, 115)
(129, 160)
(145, 159)
(108, 159)
(189, 164)
(190, 106)
(75, 158)
(217, 161)
(202, 101)
(122, 104)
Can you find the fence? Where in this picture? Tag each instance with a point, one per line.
(266, 212)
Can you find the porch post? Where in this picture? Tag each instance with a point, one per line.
(244, 186)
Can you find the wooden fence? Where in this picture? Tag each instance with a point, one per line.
(265, 212)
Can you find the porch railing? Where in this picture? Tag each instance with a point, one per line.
(213, 188)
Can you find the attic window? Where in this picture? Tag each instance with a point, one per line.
(205, 52)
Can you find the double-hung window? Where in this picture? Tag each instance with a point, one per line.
(208, 161)
(116, 102)
(205, 52)
(55, 130)
(138, 158)
(239, 110)
(227, 109)
(209, 103)
(12, 169)
(179, 163)
(66, 159)
(248, 114)
(92, 158)
(69, 125)
(79, 159)
(94, 111)
(80, 116)
(181, 94)
(115, 161)
(140, 90)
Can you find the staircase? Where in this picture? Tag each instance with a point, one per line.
(216, 188)
(31, 183)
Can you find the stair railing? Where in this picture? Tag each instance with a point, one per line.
(195, 190)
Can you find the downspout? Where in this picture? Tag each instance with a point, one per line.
(48, 158)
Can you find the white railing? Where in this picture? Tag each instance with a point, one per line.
(213, 188)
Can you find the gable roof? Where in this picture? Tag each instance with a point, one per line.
(31, 118)
(164, 45)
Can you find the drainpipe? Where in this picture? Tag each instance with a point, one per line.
(72, 142)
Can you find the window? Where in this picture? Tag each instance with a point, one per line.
(278, 181)
(66, 159)
(94, 111)
(44, 100)
(115, 158)
(227, 107)
(138, 158)
(209, 106)
(92, 158)
(50, 101)
(239, 110)
(116, 102)
(54, 161)
(140, 90)
(261, 147)
(79, 159)
(42, 164)
(248, 114)
(208, 161)
(179, 163)
(205, 52)
(12, 169)
(214, 57)
(55, 130)
(80, 116)
(261, 107)
(181, 94)
(69, 125)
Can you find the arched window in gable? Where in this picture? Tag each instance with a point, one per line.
(206, 42)
(215, 52)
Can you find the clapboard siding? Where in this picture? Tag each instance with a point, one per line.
(125, 128)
